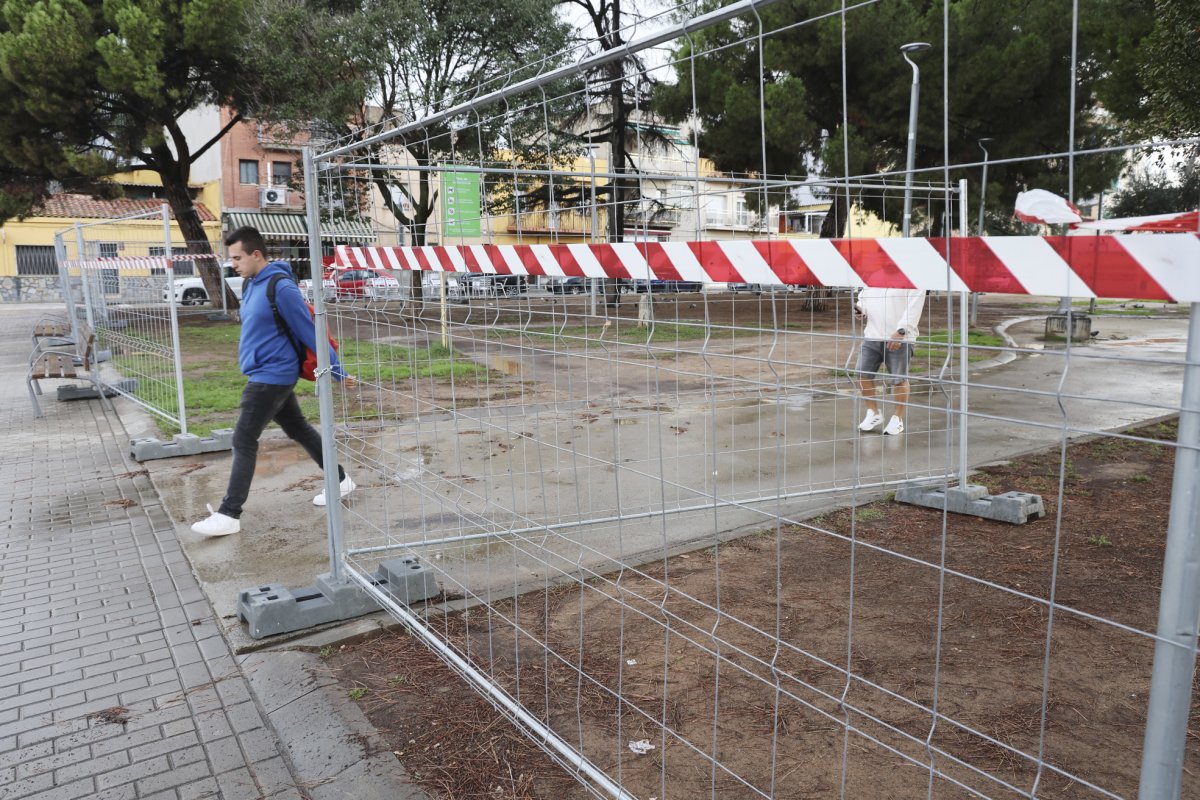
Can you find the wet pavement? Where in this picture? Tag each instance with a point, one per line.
(546, 470)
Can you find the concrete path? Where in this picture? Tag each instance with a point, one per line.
(115, 679)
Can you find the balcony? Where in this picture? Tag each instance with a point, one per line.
(732, 219)
(653, 217)
(561, 221)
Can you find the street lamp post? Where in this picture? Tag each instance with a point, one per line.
(910, 162)
(982, 207)
(983, 181)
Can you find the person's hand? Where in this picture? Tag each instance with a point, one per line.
(895, 342)
(350, 382)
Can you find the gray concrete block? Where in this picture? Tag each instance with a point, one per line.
(89, 392)
(188, 444)
(274, 608)
(1012, 507)
(407, 580)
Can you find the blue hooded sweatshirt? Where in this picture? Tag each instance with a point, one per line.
(265, 355)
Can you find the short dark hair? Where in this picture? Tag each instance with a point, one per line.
(249, 238)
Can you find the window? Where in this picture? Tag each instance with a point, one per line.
(157, 252)
(248, 172)
(36, 260)
(281, 173)
(179, 265)
(110, 277)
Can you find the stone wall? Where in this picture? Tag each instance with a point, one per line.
(30, 289)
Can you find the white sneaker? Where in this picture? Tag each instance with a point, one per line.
(895, 427)
(217, 524)
(346, 487)
(871, 421)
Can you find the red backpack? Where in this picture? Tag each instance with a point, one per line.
(308, 359)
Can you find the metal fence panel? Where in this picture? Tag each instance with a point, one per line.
(639, 479)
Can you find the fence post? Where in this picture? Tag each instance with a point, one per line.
(333, 494)
(64, 277)
(83, 276)
(173, 316)
(963, 350)
(1179, 603)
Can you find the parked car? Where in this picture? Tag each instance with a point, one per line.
(763, 288)
(190, 291)
(366, 283)
(658, 286)
(568, 286)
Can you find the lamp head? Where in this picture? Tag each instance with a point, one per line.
(914, 47)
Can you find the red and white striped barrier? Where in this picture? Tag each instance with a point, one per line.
(1151, 266)
(135, 262)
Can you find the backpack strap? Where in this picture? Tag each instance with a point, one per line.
(279, 322)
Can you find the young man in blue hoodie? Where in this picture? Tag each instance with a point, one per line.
(268, 357)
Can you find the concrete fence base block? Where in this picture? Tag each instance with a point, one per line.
(407, 580)
(81, 392)
(1014, 507)
(184, 444)
(271, 609)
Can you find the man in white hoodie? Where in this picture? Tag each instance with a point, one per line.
(890, 318)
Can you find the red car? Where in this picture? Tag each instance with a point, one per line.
(366, 283)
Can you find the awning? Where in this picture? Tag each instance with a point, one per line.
(271, 226)
(295, 226)
(342, 230)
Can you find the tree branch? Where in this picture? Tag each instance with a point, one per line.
(221, 133)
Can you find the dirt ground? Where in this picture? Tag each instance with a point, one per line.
(694, 681)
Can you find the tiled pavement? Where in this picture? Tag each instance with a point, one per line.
(115, 681)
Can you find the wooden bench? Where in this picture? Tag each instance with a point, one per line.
(53, 331)
(56, 358)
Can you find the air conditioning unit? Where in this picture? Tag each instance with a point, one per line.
(274, 196)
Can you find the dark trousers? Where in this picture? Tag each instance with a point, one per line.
(262, 403)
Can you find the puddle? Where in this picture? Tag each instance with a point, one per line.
(792, 402)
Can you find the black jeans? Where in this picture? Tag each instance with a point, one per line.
(262, 403)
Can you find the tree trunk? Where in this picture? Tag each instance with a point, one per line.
(617, 159)
(187, 217)
(832, 227)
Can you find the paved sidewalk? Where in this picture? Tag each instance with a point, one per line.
(115, 681)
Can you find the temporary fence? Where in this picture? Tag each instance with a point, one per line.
(119, 277)
(668, 553)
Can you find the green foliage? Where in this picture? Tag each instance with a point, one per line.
(1170, 69)
(92, 87)
(358, 693)
(1155, 191)
(1010, 80)
(420, 58)
(1099, 540)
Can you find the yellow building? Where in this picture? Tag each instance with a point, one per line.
(129, 226)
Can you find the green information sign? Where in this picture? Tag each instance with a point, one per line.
(460, 205)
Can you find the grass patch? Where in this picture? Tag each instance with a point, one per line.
(213, 383)
(868, 514)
